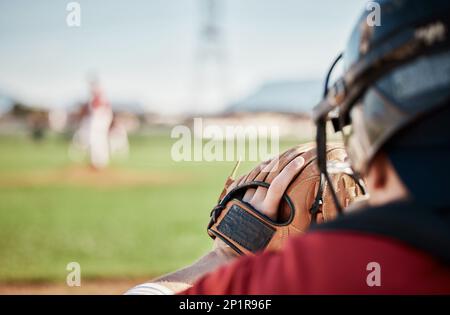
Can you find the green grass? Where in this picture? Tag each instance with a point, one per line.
(115, 231)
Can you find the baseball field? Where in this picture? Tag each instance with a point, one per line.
(141, 217)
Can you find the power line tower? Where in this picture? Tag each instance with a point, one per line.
(210, 82)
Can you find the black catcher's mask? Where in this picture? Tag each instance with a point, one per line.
(394, 75)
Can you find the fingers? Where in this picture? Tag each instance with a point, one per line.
(282, 162)
(249, 194)
(251, 177)
(282, 181)
(266, 200)
(279, 186)
(259, 196)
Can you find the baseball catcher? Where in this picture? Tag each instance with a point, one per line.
(391, 106)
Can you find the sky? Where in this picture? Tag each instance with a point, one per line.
(147, 51)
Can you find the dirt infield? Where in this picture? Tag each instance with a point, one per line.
(95, 287)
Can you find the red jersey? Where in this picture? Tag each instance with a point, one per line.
(338, 258)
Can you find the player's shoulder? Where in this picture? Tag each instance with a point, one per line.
(397, 228)
(352, 246)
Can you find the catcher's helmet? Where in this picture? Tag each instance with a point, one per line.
(395, 74)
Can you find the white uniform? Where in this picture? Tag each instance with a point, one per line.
(100, 117)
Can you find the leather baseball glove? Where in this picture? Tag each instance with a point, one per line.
(306, 200)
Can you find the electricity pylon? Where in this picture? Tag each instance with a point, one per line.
(210, 82)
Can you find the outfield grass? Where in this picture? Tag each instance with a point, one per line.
(142, 217)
